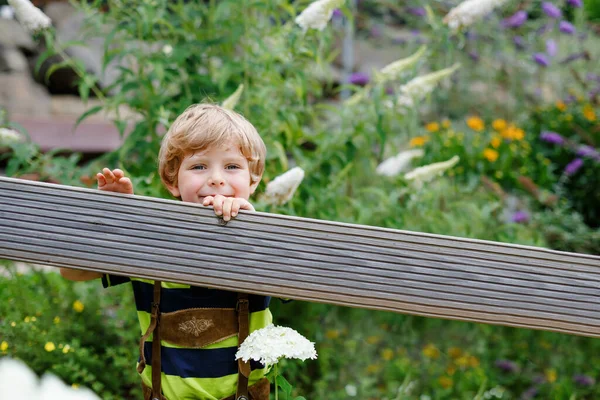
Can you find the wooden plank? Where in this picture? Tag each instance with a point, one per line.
(300, 258)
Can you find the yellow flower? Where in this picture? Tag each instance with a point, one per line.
(332, 334)
(454, 352)
(56, 320)
(27, 319)
(473, 361)
(430, 351)
(445, 382)
(78, 306)
(451, 370)
(13, 324)
(66, 349)
(3, 346)
(475, 123)
(561, 106)
(462, 361)
(33, 319)
(499, 124)
(490, 154)
(49, 347)
(446, 123)
(387, 354)
(550, 375)
(373, 368)
(75, 386)
(496, 142)
(432, 127)
(373, 339)
(418, 141)
(588, 113)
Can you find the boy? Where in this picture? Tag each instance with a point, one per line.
(214, 157)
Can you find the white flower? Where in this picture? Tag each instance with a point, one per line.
(8, 136)
(167, 50)
(269, 344)
(31, 17)
(399, 163)
(469, 11)
(17, 381)
(6, 12)
(351, 390)
(281, 189)
(419, 87)
(428, 172)
(232, 100)
(317, 14)
(393, 70)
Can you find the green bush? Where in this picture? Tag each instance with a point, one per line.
(72, 330)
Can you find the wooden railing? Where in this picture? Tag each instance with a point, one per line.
(300, 258)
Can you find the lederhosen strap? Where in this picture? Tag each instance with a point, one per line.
(244, 328)
(242, 308)
(154, 330)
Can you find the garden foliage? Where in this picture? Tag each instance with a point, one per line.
(512, 95)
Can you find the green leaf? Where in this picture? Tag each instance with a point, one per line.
(284, 385)
(55, 67)
(91, 111)
(41, 58)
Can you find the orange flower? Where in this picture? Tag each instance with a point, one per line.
(454, 352)
(475, 123)
(561, 106)
(496, 142)
(513, 133)
(418, 141)
(445, 382)
(430, 351)
(588, 113)
(432, 127)
(499, 124)
(490, 154)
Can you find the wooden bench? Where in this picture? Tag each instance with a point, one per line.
(300, 258)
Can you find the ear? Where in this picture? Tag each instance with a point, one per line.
(254, 186)
(174, 190)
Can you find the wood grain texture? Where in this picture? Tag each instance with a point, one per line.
(300, 258)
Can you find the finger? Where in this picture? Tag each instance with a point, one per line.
(208, 200)
(235, 207)
(218, 204)
(246, 205)
(101, 180)
(227, 205)
(108, 175)
(127, 185)
(118, 173)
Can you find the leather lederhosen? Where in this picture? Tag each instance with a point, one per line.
(195, 328)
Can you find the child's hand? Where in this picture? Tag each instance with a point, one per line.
(114, 181)
(227, 206)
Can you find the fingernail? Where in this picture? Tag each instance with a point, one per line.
(233, 214)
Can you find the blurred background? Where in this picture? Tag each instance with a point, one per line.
(510, 87)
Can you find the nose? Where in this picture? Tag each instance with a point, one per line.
(216, 180)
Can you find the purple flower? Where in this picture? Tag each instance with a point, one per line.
(575, 3)
(529, 393)
(551, 47)
(573, 166)
(551, 10)
(507, 365)
(337, 13)
(359, 78)
(515, 20)
(552, 137)
(520, 217)
(519, 42)
(584, 380)
(418, 11)
(566, 27)
(541, 59)
(588, 151)
(474, 55)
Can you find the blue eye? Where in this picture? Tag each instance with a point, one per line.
(232, 167)
(200, 167)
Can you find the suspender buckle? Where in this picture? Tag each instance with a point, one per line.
(241, 303)
(242, 397)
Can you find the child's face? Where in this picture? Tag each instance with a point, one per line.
(217, 170)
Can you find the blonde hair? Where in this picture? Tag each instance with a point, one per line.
(202, 126)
